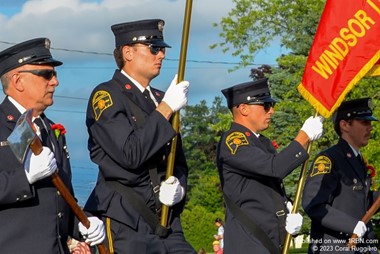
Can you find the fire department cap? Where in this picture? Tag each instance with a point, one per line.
(34, 51)
(252, 92)
(149, 31)
(354, 109)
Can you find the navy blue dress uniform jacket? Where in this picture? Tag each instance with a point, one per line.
(251, 173)
(33, 218)
(127, 137)
(336, 196)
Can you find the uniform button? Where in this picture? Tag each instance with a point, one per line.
(60, 215)
(297, 155)
(17, 199)
(58, 193)
(25, 196)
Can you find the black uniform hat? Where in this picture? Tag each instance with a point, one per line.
(354, 109)
(147, 31)
(254, 92)
(35, 51)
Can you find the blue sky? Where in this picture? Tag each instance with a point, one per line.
(77, 26)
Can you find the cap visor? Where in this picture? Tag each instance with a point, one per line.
(270, 99)
(159, 43)
(368, 118)
(50, 61)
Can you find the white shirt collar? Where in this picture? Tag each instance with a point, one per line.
(139, 86)
(256, 134)
(20, 108)
(22, 111)
(355, 152)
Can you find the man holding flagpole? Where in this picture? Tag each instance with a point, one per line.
(129, 130)
(251, 172)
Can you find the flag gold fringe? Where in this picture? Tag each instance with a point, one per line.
(320, 108)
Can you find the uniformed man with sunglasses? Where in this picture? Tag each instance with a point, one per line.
(338, 190)
(251, 172)
(129, 139)
(34, 217)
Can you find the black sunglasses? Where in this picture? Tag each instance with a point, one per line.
(46, 74)
(155, 49)
(267, 105)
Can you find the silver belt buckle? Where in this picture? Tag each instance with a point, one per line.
(156, 189)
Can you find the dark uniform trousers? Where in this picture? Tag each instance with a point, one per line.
(34, 218)
(336, 196)
(127, 137)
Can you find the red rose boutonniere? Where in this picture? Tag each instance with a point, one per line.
(371, 172)
(274, 143)
(58, 129)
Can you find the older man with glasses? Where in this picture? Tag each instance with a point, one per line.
(129, 130)
(251, 172)
(33, 215)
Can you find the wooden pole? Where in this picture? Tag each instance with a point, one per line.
(366, 218)
(36, 148)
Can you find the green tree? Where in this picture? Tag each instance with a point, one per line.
(198, 139)
(205, 201)
(254, 24)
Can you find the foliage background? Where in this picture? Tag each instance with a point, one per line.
(250, 27)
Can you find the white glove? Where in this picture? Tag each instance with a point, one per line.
(171, 191)
(95, 234)
(289, 206)
(176, 95)
(313, 127)
(360, 229)
(293, 223)
(39, 166)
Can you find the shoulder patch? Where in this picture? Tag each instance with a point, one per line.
(322, 165)
(100, 102)
(235, 140)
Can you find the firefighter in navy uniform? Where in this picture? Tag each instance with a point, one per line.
(337, 190)
(129, 138)
(34, 217)
(251, 172)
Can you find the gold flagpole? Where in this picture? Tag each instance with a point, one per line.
(175, 119)
(297, 199)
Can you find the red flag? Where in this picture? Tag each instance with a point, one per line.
(346, 46)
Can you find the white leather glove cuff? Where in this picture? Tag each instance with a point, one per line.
(313, 127)
(360, 229)
(171, 191)
(95, 234)
(39, 166)
(176, 95)
(293, 223)
(289, 206)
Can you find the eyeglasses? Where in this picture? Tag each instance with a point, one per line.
(47, 74)
(267, 105)
(154, 50)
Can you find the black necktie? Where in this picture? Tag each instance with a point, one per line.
(360, 159)
(146, 94)
(45, 139)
